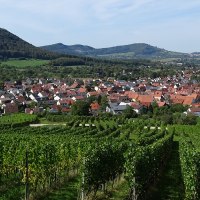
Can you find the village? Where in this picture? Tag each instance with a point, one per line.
(34, 96)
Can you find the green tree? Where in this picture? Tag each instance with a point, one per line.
(104, 102)
(129, 112)
(80, 108)
(91, 99)
(1, 85)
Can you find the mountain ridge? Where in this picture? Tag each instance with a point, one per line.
(135, 50)
(12, 46)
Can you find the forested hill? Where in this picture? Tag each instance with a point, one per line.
(11, 46)
(69, 49)
(137, 50)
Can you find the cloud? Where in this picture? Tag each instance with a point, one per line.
(103, 22)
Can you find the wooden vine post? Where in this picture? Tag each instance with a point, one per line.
(27, 178)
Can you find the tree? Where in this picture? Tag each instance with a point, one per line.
(1, 85)
(104, 102)
(91, 99)
(129, 112)
(80, 108)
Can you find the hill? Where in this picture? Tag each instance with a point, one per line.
(67, 49)
(11, 46)
(137, 50)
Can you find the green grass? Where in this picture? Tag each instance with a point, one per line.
(118, 192)
(67, 192)
(167, 59)
(170, 186)
(25, 63)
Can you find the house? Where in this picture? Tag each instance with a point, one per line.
(177, 99)
(158, 95)
(82, 90)
(54, 109)
(43, 94)
(2, 92)
(35, 110)
(161, 104)
(93, 93)
(9, 108)
(188, 100)
(34, 97)
(78, 98)
(136, 107)
(133, 96)
(65, 110)
(5, 100)
(94, 107)
(36, 88)
(145, 100)
(20, 100)
(116, 108)
(65, 103)
(75, 85)
(195, 111)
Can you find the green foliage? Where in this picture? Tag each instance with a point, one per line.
(190, 159)
(171, 114)
(80, 108)
(64, 61)
(17, 120)
(24, 63)
(102, 163)
(190, 163)
(12, 46)
(108, 148)
(138, 50)
(129, 112)
(143, 164)
(103, 101)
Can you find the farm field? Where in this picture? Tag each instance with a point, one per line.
(25, 63)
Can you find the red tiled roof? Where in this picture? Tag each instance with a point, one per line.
(145, 98)
(80, 98)
(188, 100)
(147, 104)
(193, 110)
(63, 109)
(135, 105)
(158, 93)
(66, 101)
(94, 93)
(10, 108)
(132, 95)
(82, 90)
(94, 106)
(161, 104)
(177, 101)
(196, 105)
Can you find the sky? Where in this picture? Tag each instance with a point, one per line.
(169, 24)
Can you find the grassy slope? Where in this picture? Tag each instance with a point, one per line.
(25, 63)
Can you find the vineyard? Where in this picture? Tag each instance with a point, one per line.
(190, 159)
(17, 120)
(99, 153)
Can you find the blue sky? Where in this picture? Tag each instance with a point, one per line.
(170, 24)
